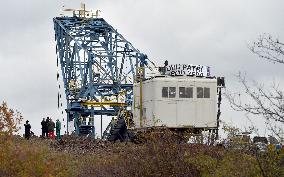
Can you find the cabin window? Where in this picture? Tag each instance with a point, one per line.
(203, 92)
(189, 92)
(172, 92)
(206, 92)
(199, 92)
(165, 92)
(185, 92)
(182, 92)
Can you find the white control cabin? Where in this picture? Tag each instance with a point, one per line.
(176, 102)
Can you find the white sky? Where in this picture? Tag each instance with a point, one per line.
(213, 33)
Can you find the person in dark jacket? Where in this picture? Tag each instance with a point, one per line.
(27, 130)
(43, 128)
(51, 126)
(47, 123)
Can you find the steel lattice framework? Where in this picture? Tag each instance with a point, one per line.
(98, 67)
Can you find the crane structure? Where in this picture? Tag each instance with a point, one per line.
(105, 75)
(98, 67)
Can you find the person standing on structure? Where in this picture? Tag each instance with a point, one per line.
(27, 130)
(58, 128)
(51, 126)
(43, 128)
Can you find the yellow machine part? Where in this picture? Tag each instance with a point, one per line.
(104, 103)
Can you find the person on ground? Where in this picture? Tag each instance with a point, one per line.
(58, 128)
(43, 128)
(51, 126)
(47, 123)
(27, 130)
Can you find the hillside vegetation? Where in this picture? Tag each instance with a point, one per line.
(160, 155)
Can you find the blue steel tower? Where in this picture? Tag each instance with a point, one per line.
(98, 67)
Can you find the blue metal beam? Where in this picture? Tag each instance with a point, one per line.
(97, 63)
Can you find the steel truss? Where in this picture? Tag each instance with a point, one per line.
(98, 68)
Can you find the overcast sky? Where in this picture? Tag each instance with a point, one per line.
(213, 33)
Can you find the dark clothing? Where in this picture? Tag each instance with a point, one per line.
(51, 126)
(47, 123)
(44, 128)
(27, 130)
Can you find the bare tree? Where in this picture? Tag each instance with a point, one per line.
(268, 103)
(268, 48)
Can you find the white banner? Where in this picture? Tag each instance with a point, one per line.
(188, 70)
